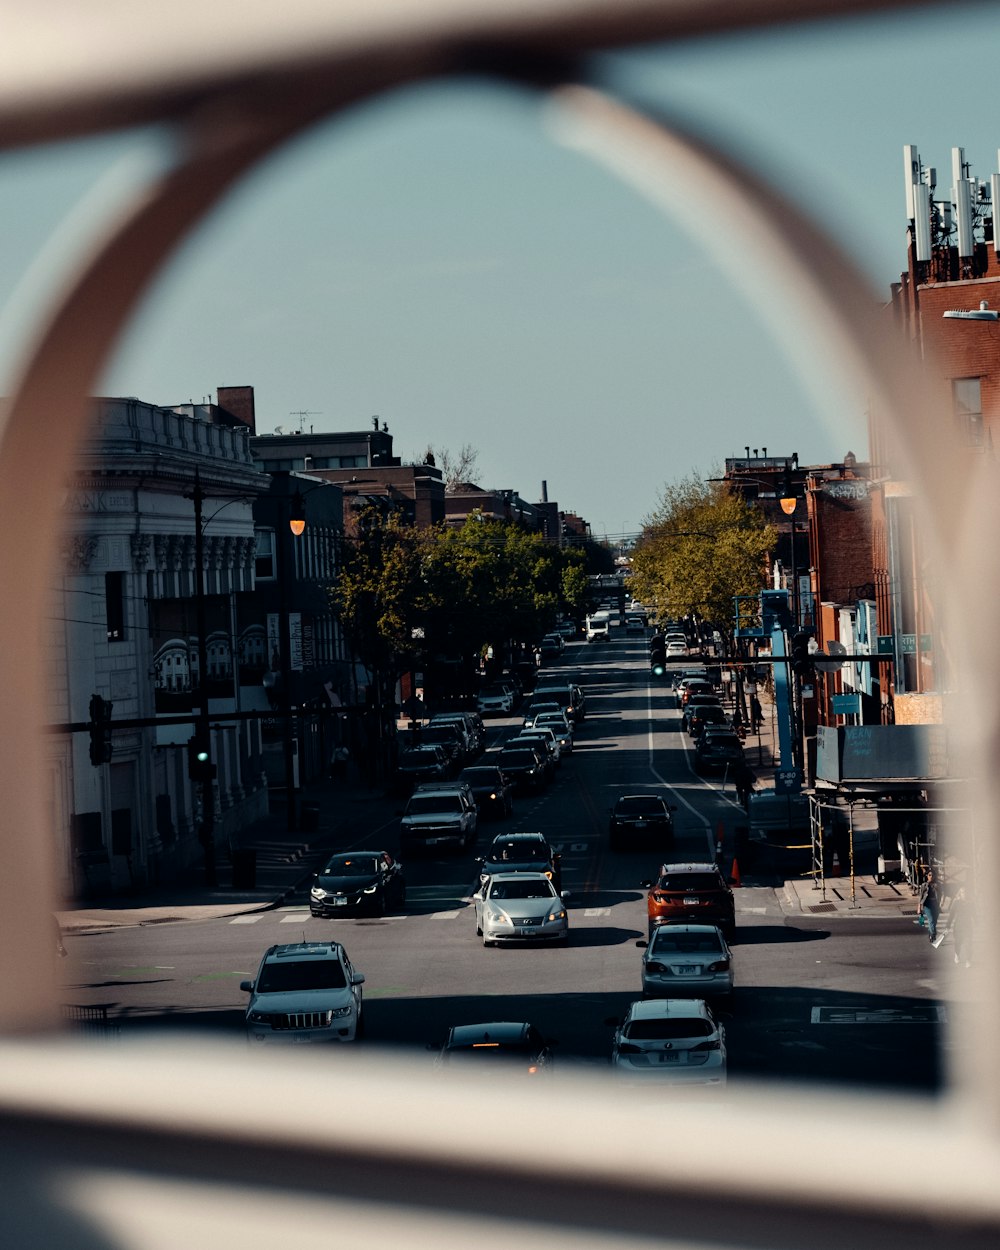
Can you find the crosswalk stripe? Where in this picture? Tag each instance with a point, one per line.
(245, 919)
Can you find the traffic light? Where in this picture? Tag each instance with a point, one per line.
(200, 766)
(657, 655)
(802, 660)
(100, 730)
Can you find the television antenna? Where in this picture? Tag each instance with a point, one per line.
(301, 417)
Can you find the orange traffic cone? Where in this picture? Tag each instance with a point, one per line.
(734, 876)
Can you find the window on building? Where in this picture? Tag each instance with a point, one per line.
(114, 606)
(967, 403)
(265, 555)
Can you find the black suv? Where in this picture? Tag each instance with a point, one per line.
(521, 852)
(641, 820)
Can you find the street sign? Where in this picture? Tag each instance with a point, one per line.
(787, 781)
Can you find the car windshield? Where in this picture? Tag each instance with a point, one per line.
(640, 806)
(666, 942)
(689, 882)
(301, 974)
(424, 804)
(518, 757)
(667, 1030)
(352, 866)
(441, 733)
(418, 756)
(518, 851)
(522, 889)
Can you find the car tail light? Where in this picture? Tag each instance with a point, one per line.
(712, 1045)
(629, 1048)
(653, 966)
(721, 966)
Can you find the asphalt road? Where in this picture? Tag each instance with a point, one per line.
(823, 1000)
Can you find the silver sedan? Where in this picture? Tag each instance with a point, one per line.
(686, 959)
(520, 907)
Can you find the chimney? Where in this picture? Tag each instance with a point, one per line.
(238, 402)
(545, 491)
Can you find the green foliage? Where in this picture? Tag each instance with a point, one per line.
(456, 589)
(701, 548)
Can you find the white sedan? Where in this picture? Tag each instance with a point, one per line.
(520, 907)
(671, 1041)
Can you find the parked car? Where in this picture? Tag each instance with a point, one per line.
(673, 1041)
(641, 820)
(491, 789)
(691, 893)
(471, 722)
(520, 907)
(362, 881)
(686, 959)
(438, 819)
(696, 701)
(503, 1043)
(452, 736)
(306, 992)
(717, 750)
(693, 687)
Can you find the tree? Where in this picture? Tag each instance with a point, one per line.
(456, 468)
(701, 549)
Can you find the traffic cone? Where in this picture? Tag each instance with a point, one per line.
(734, 876)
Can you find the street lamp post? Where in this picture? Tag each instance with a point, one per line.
(286, 556)
(203, 729)
(788, 505)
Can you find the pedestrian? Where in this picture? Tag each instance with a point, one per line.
(756, 714)
(930, 905)
(743, 779)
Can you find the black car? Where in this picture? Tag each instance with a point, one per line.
(641, 820)
(491, 789)
(521, 852)
(504, 1042)
(718, 750)
(705, 715)
(525, 766)
(367, 882)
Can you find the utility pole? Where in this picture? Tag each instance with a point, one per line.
(201, 768)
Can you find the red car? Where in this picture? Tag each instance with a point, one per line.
(694, 893)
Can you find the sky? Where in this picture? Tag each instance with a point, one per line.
(440, 260)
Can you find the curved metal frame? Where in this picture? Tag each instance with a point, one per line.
(225, 130)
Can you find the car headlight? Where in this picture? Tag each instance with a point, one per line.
(317, 892)
(498, 917)
(258, 1017)
(370, 889)
(338, 1013)
(556, 915)
(493, 794)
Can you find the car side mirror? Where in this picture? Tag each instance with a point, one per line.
(565, 894)
(642, 943)
(358, 978)
(246, 987)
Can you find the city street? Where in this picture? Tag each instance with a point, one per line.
(818, 998)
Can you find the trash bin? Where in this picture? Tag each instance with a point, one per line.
(244, 869)
(309, 817)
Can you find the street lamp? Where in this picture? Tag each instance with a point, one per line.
(788, 505)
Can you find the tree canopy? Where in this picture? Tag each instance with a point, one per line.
(701, 548)
(405, 594)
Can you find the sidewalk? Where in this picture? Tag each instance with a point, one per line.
(284, 860)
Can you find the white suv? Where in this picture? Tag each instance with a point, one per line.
(307, 992)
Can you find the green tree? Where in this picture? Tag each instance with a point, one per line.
(701, 548)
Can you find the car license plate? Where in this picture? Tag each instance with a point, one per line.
(340, 902)
(692, 902)
(668, 1056)
(640, 824)
(686, 970)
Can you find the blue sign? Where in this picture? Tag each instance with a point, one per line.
(787, 781)
(846, 704)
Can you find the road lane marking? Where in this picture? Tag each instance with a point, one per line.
(597, 911)
(245, 919)
(879, 1015)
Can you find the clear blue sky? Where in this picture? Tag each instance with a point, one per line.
(437, 260)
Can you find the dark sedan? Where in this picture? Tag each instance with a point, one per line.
(718, 751)
(491, 789)
(420, 764)
(641, 820)
(368, 882)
